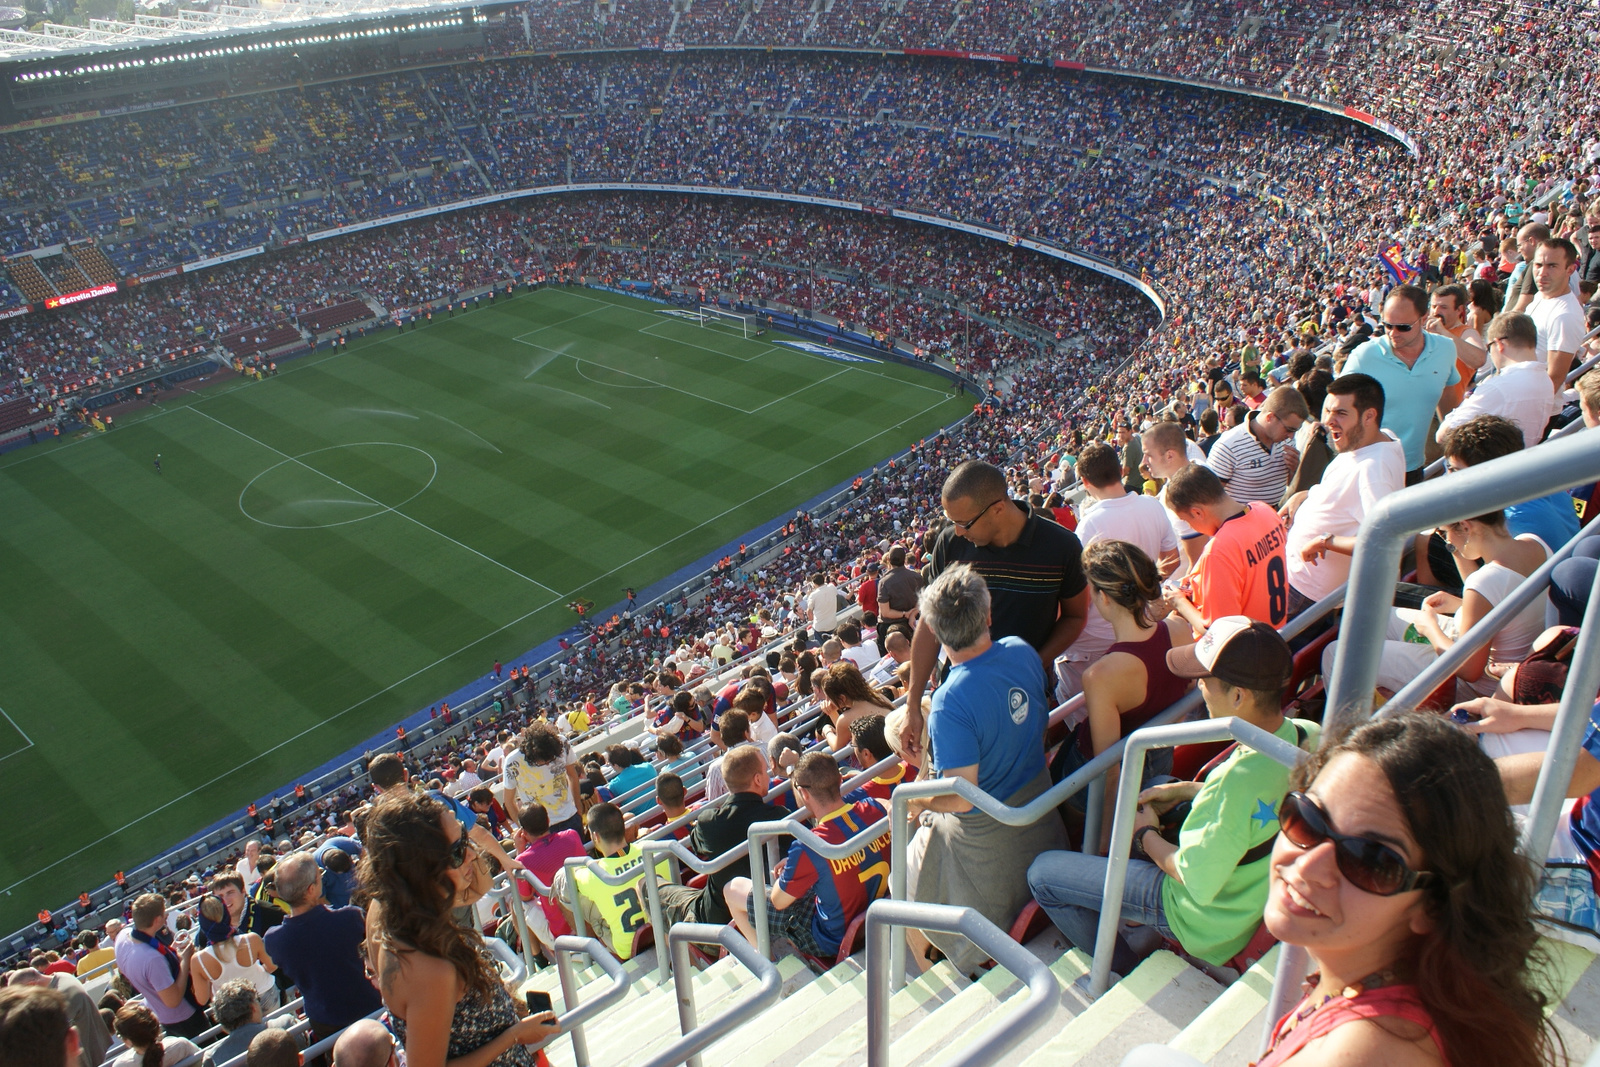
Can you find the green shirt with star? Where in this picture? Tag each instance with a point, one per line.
(1216, 906)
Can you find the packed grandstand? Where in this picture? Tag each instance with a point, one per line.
(1185, 257)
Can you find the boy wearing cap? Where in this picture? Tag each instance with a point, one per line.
(1206, 892)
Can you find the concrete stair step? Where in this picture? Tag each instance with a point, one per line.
(1068, 968)
(847, 1036)
(1229, 1030)
(1150, 1006)
(745, 1043)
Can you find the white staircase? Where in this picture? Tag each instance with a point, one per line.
(821, 1021)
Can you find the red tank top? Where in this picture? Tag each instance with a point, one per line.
(1162, 688)
(1397, 1001)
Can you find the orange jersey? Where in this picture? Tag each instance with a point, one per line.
(1242, 570)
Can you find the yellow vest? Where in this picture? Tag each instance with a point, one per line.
(623, 908)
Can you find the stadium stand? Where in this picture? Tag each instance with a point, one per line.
(1258, 223)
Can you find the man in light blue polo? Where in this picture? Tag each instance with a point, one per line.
(1414, 367)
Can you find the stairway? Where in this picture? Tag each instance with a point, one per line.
(821, 1021)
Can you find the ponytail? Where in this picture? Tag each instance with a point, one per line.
(153, 1056)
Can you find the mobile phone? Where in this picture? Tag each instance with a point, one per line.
(538, 1001)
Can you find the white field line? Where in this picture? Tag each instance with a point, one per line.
(20, 732)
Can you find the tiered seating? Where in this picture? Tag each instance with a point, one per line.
(335, 316)
(27, 276)
(15, 414)
(252, 342)
(63, 273)
(94, 263)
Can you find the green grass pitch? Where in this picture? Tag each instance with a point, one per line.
(328, 550)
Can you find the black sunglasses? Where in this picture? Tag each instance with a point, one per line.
(1396, 327)
(1368, 865)
(458, 851)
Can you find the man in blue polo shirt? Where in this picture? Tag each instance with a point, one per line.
(1414, 367)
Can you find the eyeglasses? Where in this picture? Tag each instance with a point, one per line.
(970, 523)
(1398, 327)
(459, 850)
(1369, 865)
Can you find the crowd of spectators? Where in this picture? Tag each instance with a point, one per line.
(1257, 272)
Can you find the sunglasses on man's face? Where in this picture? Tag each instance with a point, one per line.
(1369, 865)
(1398, 327)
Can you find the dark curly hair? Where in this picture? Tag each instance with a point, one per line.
(404, 870)
(540, 743)
(1473, 970)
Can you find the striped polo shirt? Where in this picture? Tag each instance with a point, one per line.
(1250, 472)
(1027, 579)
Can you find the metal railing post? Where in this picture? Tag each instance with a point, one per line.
(1122, 816)
(569, 996)
(575, 1014)
(1566, 735)
(1450, 660)
(574, 898)
(697, 1038)
(883, 916)
(1384, 532)
(1294, 963)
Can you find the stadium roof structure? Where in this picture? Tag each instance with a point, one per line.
(48, 40)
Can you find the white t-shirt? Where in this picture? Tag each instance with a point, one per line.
(824, 605)
(173, 1050)
(1351, 486)
(247, 871)
(863, 656)
(1561, 327)
(1494, 582)
(1522, 393)
(1140, 520)
(544, 784)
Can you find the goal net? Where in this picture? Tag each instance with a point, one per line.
(745, 325)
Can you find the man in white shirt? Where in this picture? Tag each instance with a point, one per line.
(1556, 311)
(1166, 451)
(1520, 389)
(1111, 514)
(1323, 520)
(823, 604)
(896, 650)
(1256, 458)
(862, 654)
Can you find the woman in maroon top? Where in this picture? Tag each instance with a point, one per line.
(1131, 683)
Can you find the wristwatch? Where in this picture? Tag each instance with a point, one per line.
(1138, 838)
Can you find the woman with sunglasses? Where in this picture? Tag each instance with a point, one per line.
(1396, 869)
(437, 978)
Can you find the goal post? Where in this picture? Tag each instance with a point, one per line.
(747, 325)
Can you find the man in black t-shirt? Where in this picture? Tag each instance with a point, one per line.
(1033, 567)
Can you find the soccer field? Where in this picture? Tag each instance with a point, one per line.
(326, 551)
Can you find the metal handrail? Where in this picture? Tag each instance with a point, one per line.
(696, 1037)
(1566, 734)
(1091, 776)
(1391, 523)
(675, 851)
(883, 916)
(572, 1019)
(1451, 659)
(1139, 743)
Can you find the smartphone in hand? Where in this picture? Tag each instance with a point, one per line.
(538, 1001)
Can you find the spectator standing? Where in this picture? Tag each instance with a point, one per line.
(1114, 515)
(897, 595)
(95, 954)
(543, 771)
(245, 915)
(822, 605)
(1415, 368)
(1369, 465)
(961, 855)
(1166, 452)
(159, 968)
(438, 980)
(1033, 569)
(1256, 458)
(337, 857)
(229, 955)
(1520, 388)
(320, 948)
(1556, 310)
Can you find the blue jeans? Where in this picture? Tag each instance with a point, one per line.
(1070, 887)
(1572, 581)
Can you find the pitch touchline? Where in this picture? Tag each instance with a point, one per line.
(379, 503)
(23, 733)
(287, 741)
